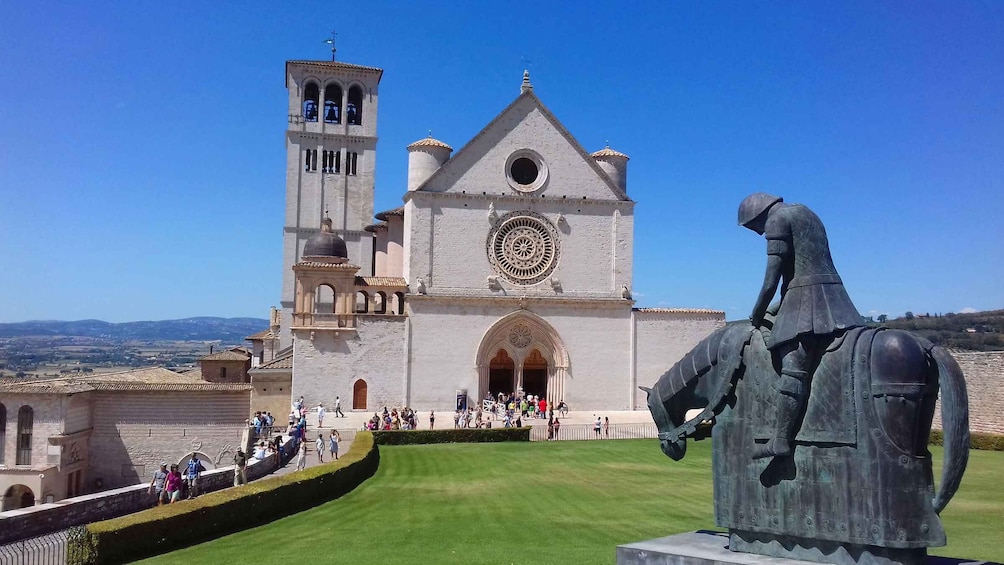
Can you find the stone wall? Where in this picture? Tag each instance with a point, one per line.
(135, 431)
(663, 337)
(46, 518)
(330, 365)
(984, 373)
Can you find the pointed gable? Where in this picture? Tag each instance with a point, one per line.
(526, 124)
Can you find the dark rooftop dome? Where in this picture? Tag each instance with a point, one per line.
(326, 244)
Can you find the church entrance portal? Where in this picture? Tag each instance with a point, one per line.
(501, 374)
(535, 375)
(521, 352)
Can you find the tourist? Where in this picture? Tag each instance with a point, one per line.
(333, 443)
(597, 425)
(338, 408)
(543, 407)
(193, 472)
(456, 419)
(259, 452)
(319, 444)
(159, 483)
(557, 426)
(173, 487)
(301, 458)
(550, 430)
(606, 427)
(562, 408)
(432, 420)
(320, 415)
(240, 468)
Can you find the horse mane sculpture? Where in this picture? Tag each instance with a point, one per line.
(857, 486)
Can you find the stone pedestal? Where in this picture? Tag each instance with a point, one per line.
(712, 548)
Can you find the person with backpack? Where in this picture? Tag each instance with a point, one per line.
(193, 471)
(240, 468)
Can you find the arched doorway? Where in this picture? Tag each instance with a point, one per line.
(18, 496)
(535, 374)
(539, 359)
(359, 395)
(501, 374)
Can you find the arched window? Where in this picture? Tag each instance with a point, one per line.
(324, 299)
(354, 108)
(362, 302)
(3, 432)
(381, 303)
(25, 421)
(400, 302)
(333, 104)
(310, 100)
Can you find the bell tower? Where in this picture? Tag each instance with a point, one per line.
(330, 160)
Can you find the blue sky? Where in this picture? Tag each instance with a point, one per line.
(142, 158)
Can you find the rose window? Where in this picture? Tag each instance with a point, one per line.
(520, 335)
(523, 247)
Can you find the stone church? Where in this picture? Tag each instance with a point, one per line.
(507, 268)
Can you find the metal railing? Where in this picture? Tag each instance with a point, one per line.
(573, 432)
(48, 549)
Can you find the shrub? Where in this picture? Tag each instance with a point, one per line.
(166, 528)
(475, 435)
(977, 440)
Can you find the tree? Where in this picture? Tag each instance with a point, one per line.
(882, 318)
(908, 315)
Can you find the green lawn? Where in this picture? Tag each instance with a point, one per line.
(564, 502)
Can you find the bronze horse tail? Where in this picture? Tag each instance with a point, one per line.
(955, 426)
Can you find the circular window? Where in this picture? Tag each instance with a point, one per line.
(523, 247)
(525, 171)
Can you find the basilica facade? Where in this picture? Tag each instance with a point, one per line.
(508, 267)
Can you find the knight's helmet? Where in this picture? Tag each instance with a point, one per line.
(754, 205)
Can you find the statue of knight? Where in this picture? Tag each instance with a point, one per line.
(814, 307)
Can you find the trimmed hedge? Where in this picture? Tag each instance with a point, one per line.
(462, 435)
(977, 440)
(173, 526)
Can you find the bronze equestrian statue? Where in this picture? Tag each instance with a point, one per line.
(820, 424)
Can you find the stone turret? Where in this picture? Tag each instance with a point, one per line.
(614, 164)
(425, 156)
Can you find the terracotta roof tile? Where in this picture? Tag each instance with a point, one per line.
(148, 378)
(262, 335)
(381, 281)
(399, 211)
(280, 362)
(334, 65)
(226, 356)
(429, 142)
(607, 152)
(680, 310)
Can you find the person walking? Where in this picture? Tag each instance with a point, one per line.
(301, 458)
(193, 472)
(320, 416)
(333, 443)
(338, 408)
(606, 427)
(173, 485)
(319, 444)
(159, 484)
(240, 468)
(596, 427)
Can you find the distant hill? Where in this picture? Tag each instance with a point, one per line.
(976, 331)
(229, 330)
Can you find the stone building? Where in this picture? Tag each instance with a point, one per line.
(508, 268)
(69, 436)
(227, 366)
